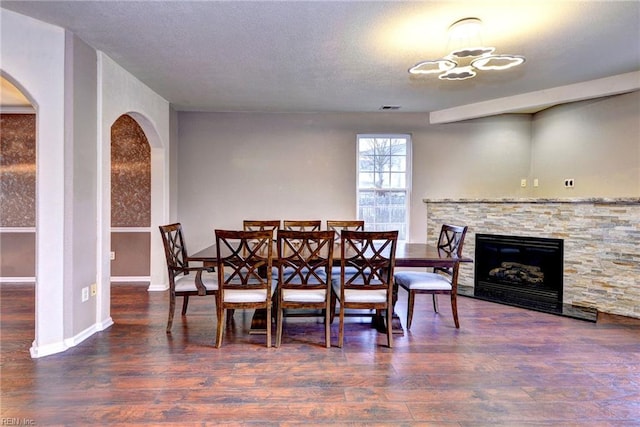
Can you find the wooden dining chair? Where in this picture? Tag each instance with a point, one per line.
(184, 280)
(371, 254)
(242, 258)
(262, 225)
(302, 225)
(337, 226)
(304, 275)
(440, 280)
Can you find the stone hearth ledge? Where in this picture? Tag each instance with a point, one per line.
(593, 200)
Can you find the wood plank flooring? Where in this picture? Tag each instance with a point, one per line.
(505, 366)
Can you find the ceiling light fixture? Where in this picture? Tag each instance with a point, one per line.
(464, 62)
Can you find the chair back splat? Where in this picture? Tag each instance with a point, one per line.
(441, 280)
(304, 275)
(260, 225)
(184, 280)
(244, 261)
(302, 225)
(366, 275)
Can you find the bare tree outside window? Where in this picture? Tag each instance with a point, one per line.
(384, 181)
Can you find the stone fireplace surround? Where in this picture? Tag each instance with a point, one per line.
(601, 242)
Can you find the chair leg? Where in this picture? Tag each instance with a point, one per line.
(279, 316)
(389, 327)
(435, 302)
(269, 326)
(185, 303)
(327, 329)
(454, 309)
(220, 329)
(410, 302)
(341, 326)
(172, 309)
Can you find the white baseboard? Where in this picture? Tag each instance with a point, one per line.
(17, 280)
(47, 350)
(59, 347)
(122, 279)
(158, 287)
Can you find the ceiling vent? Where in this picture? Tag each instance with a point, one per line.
(389, 107)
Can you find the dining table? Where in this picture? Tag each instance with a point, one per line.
(417, 255)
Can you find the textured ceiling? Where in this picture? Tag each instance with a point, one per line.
(344, 56)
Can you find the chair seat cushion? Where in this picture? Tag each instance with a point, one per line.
(187, 283)
(245, 295)
(248, 295)
(357, 295)
(422, 280)
(304, 295)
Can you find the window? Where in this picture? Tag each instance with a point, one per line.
(384, 182)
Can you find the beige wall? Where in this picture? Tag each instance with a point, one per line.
(596, 142)
(302, 166)
(233, 166)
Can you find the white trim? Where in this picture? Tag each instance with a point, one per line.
(59, 347)
(17, 110)
(101, 326)
(122, 279)
(131, 229)
(9, 279)
(83, 335)
(158, 287)
(46, 350)
(17, 229)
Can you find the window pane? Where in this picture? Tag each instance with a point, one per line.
(366, 145)
(398, 163)
(397, 180)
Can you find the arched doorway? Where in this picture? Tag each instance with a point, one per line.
(130, 201)
(153, 213)
(17, 204)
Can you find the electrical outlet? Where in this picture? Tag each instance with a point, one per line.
(112, 255)
(523, 182)
(535, 182)
(568, 183)
(85, 294)
(94, 289)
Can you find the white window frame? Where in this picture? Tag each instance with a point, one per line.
(407, 172)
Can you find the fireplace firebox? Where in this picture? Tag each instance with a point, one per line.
(521, 271)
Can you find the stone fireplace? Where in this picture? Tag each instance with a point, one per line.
(601, 242)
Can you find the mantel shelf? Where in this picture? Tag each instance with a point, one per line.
(588, 200)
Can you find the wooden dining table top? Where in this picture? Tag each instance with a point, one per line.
(407, 255)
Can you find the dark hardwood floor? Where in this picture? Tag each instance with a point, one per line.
(505, 366)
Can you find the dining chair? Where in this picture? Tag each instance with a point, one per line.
(262, 225)
(304, 275)
(371, 255)
(242, 259)
(184, 280)
(302, 225)
(441, 280)
(337, 226)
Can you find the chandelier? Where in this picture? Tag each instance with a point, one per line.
(463, 63)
